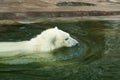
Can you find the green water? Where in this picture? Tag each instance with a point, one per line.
(96, 58)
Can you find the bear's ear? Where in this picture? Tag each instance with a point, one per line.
(56, 27)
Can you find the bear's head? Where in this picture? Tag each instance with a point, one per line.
(64, 39)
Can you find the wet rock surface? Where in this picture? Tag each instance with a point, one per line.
(74, 4)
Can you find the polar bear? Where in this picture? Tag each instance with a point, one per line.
(48, 40)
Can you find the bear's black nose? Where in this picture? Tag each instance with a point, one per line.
(77, 44)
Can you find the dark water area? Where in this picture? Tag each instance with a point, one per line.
(96, 58)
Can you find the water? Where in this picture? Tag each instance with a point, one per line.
(96, 58)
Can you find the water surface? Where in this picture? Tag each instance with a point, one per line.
(96, 58)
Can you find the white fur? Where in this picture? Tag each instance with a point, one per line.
(48, 40)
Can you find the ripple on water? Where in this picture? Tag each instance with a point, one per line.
(86, 51)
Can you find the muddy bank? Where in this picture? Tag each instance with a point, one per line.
(25, 15)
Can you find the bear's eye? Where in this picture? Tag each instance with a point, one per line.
(66, 39)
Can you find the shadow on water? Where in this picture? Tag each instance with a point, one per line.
(96, 58)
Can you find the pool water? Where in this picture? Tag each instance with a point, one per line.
(96, 58)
